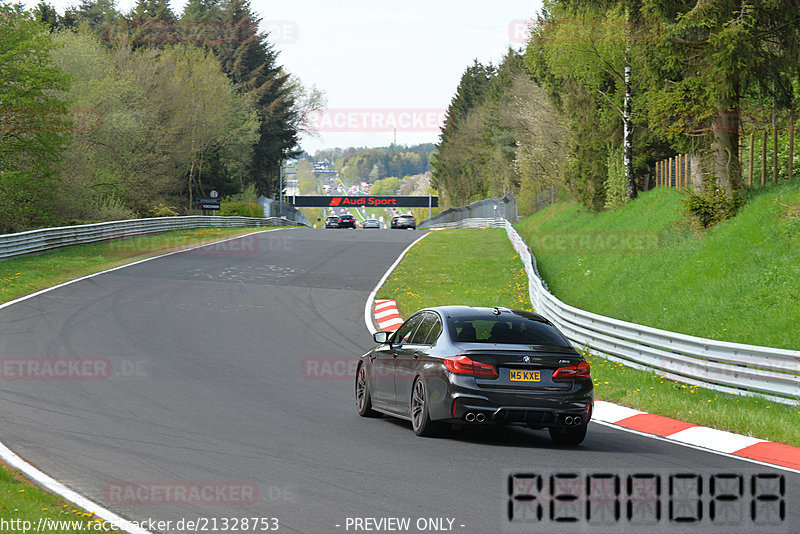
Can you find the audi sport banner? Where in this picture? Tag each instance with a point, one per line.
(364, 201)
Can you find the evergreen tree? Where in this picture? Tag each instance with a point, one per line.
(97, 13)
(46, 14)
(454, 164)
(153, 24)
(152, 10)
(250, 60)
(202, 10)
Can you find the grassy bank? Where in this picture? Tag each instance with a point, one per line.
(479, 268)
(27, 274)
(21, 502)
(739, 281)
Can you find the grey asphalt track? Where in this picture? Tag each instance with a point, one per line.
(229, 365)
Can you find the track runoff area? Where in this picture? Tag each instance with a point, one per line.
(242, 406)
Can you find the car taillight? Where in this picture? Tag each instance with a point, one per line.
(463, 365)
(581, 370)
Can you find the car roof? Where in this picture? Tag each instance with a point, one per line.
(454, 312)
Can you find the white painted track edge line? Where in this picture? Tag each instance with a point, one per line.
(51, 484)
(42, 479)
(371, 298)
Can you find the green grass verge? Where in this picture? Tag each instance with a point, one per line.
(480, 268)
(739, 281)
(21, 502)
(27, 274)
(470, 267)
(649, 392)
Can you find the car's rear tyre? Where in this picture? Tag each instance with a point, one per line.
(420, 415)
(572, 435)
(363, 398)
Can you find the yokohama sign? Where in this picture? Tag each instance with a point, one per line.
(365, 201)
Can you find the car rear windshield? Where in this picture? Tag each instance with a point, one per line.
(505, 328)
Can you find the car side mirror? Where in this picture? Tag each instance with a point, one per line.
(381, 337)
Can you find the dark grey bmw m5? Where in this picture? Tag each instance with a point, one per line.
(462, 365)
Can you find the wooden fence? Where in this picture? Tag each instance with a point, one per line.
(755, 154)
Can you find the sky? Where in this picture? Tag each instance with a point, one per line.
(382, 65)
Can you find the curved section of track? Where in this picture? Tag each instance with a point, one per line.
(232, 367)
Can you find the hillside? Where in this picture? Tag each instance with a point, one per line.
(739, 281)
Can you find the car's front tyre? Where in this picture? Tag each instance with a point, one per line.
(363, 398)
(572, 435)
(420, 413)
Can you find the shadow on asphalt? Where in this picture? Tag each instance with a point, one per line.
(512, 436)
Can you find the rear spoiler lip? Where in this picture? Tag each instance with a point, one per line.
(493, 348)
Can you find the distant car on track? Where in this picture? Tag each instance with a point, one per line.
(347, 221)
(404, 221)
(466, 365)
(332, 222)
(372, 223)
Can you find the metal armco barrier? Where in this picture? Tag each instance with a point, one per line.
(723, 366)
(491, 208)
(12, 245)
(471, 223)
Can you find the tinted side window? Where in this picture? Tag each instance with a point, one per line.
(436, 331)
(404, 333)
(424, 329)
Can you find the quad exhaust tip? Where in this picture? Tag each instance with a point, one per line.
(570, 420)
(475, 418)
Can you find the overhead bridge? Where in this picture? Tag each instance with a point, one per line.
(307, 201)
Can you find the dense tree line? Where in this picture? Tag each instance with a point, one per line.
(372, 164)
(501, 135)
(632, 82)
(108, 115)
